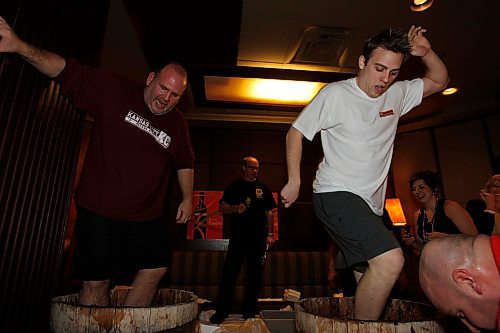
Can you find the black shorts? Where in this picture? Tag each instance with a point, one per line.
(106, 246)
(358, 231)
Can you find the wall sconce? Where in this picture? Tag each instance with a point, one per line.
(420, 5)
(395, 211)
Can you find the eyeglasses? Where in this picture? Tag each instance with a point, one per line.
(252, 167)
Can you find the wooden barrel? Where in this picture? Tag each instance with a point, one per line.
(171, 308)
(327, 314)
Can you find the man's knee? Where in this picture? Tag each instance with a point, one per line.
(95, 285)
(389, 263)
(94, 293)
(155, 272)
(153, 275)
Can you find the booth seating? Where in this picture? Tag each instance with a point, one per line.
(199, 271)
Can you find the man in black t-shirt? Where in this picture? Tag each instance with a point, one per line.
(250, 204)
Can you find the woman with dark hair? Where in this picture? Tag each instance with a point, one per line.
(437, 217)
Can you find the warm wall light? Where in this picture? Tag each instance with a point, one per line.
(260, 91)
(449, 91)
(395, 211)
(420, 5)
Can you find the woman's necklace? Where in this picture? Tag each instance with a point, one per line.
(428, 226)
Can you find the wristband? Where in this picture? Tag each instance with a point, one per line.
(489, 211)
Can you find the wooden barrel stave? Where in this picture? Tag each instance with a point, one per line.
(322, 315)
(171, 308)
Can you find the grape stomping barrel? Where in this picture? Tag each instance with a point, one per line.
(170, 309)
(327, 314)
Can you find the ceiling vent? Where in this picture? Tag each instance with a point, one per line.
(322, 46)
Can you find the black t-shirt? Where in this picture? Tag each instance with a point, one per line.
(440, 222)
(258, 199)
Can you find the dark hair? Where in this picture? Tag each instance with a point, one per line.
(392, 40)
(430, 179)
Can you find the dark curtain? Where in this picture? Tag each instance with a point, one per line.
(39, 145)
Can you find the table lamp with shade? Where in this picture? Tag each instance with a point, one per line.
(395, 210)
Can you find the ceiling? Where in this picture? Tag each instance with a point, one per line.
(260, 38)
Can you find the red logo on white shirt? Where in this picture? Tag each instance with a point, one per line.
(386, 113)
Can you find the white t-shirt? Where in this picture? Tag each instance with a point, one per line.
(357, 134)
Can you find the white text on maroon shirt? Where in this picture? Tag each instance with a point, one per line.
(143, 124)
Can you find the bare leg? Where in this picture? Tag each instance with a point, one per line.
(332, 273)
(95, 293)
(144, 287)
(357, 276)
(376, 283)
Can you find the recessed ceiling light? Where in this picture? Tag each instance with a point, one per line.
(420, 5)
(261, 91)
(449, 91)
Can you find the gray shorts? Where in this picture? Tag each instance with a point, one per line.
(357, 230)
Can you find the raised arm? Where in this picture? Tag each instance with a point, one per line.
(436, 76)
(185, 210)
(496, 227)
(45, 62)
(290, 192)
(493, 207)
(491, 196)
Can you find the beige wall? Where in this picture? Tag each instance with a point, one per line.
(412, 152)
(493, 125)
(121, 50)
(460, 152)
(464, 160)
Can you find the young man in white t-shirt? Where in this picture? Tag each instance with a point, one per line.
(358, 119)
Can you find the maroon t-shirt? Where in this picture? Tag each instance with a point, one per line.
(132, 151)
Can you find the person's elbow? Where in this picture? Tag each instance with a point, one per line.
(444, 84)
(294, 136)
(435, 86)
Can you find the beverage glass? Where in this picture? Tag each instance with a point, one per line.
(406, 231)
